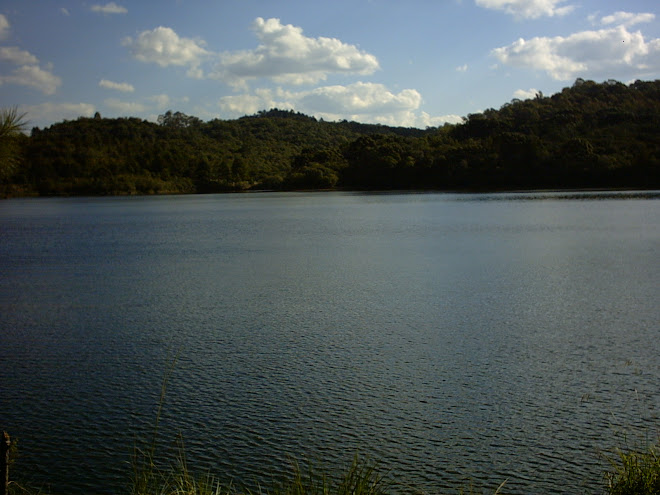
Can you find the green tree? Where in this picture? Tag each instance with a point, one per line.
(178, 120)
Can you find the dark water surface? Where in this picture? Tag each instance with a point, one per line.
(451, 337)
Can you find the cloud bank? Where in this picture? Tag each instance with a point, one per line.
(627, 19)
(285, 55)
(4, 27)
(109, 8)
(55, 112)
(600, 53)
(164, 47)
(124, 107)
(28, 72)
(362, 102)
(528, 9)
(525, 94)
(17, 56)
(124, 87)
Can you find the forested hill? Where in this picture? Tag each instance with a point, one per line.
(588, 135)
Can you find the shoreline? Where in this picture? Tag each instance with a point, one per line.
(468, 190)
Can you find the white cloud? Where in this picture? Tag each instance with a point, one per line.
(262, 99)
(525, 94)
(64, 11)
(4, 27)
(124, 87)
(462, 68)
(109, 8)
(33, 76)
(28, 73)
(606, 52)
(54, 112)
(164, 47)
(161, 101)
(285, 55)
(425, 120)
(360, 99)
(124, 107)
(528, 9)
(626, 19)
(16, 56)
(362, 102)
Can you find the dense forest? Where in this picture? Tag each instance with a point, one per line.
(589, 135)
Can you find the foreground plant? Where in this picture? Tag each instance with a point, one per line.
(635, 472)
(11, 125)
(151, 476)
(361, 478)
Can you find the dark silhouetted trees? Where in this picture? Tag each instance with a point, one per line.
(587, 135)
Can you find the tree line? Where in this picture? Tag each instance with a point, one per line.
(588, 135)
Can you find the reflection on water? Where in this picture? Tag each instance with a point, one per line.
(449, 336)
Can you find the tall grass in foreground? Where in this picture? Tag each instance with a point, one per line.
(146, 476)
(361, 478)
(635, 472)
(632, 472)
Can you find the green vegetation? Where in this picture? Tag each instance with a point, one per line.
(632, 472)
(635, 472)
(360, 478)
(148, 477)
(586, 136)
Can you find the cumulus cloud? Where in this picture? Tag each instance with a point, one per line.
(15, 55)
(124, 87)
(360, 99)
(462, 68)
(525, 94)
(4, 27)
(528, 9)
(109, 8)
(261, 99)
(33, 76)
(164, 47)
(362, 102)
(426, 120)
(626, 19)
(161, 101)
(153, 103)
(286, 55)
(124, 107)
(27, 72)
(605, 52)
(44, 113)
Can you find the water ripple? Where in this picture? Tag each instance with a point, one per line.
(452, 338)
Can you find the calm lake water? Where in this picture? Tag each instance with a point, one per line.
(451, 337)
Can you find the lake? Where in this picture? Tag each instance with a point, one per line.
(450, 337)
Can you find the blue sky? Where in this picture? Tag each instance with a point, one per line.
(411, 63)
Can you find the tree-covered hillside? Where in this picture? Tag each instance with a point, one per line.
(588, 135)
